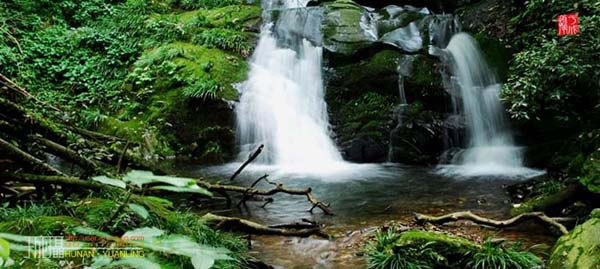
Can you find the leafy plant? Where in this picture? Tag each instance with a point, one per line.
(554, 76)
(224, 39)
(204, 89)
(496, 256)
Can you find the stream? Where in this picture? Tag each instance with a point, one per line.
(370, 196)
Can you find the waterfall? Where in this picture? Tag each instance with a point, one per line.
(490, 146)
(282, 102)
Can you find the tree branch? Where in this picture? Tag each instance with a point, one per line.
(250, 159)
(468, 215)
(26, 157)
(243, 225)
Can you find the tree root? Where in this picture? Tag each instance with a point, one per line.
(468, 215)
(242, 225)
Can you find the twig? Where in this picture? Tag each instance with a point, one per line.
(468, 215)
(250, 159)
(246, 196)
(116, 214)
(121, 157)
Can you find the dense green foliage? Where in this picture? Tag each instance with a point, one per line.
(102, 213)
(554, 77)
(129, 68)
(417, 249)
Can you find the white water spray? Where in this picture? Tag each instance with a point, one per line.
(282, 103)
(491, 149)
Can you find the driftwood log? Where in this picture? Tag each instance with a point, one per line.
(468, 215)
(242, 225)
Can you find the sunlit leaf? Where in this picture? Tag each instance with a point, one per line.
(145, 232)
(140, 210)
(144, 177)
(4, 250)
(191, 189)
(110, 181)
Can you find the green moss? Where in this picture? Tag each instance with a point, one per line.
(244, 15)
(545, 201)
(580, 248)
(42, 225)
(446, 244)
(365, 116)
(95, 211)
(342, 32)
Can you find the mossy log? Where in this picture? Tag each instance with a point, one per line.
(68, 154)
(28, 158)
(544, 202)
(468, 215)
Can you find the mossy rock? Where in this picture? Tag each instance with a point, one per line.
(233, 16)
(42, 225)
(447, 245)
(167, 122)
(226, 68)
(546, 201)
(580, 248)
(341, 27)
(358, 77)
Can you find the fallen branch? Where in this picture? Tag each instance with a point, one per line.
(242, 225)
(68, 154)
(468, 215)
(28, 158)
(250, 159)
(14, 86)
(218, 188)
(59, 180)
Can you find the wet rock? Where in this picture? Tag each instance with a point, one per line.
(580, 248)
(347, 27)
(448, 156)
(364, 150)
(416, 139)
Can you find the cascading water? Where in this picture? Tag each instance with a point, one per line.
(490, 147)
(282, 103)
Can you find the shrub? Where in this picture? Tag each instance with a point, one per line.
(554, 76)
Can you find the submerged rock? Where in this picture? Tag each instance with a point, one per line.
(580, 248)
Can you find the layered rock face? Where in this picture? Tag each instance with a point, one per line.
(388, 89)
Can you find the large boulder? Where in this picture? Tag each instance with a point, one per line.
(347, 27)
(580, 248)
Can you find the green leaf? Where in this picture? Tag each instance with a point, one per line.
(200, 262)
(136, 262)
(4, 250)
(140, 210)
(110, 181)
(144, 177)
(146, 232)
(191, 189)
